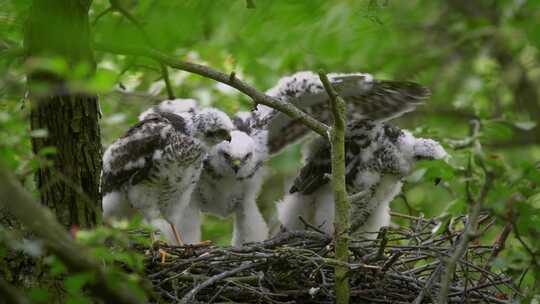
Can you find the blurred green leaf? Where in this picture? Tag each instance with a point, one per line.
(496, 131)
(75, 282)
(39, 294)
(437, 169)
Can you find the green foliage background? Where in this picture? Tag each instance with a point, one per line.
(479, 58)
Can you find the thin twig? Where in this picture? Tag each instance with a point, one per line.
(101, 14)
(192, 293)
(498, 246)
(308, 225)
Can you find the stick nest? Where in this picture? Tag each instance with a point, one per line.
(400, 265)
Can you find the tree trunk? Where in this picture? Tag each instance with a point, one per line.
(69, 181)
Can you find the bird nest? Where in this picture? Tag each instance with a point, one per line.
(402, 265)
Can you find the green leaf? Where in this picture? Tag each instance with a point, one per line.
(78, 299)
(57, 267)
(437, 169)
(534, 200)
(103, 81)
(457, 207)
(416, 176)
(74, 283)
(47, 151)
(39, 294)
(442, 225)
(496, 131)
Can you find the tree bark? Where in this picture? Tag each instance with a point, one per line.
(69, 183)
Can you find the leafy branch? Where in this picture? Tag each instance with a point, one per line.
(40, 221)
(470, 231)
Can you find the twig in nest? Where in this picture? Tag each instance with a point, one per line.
(294, 262)
(190, 295)
(308, 225)
(429, 283)
(391, 261)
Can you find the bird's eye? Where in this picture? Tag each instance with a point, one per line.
(423, 157)
(226, 155)
(210, 134)
(248, 156)
(223, 134)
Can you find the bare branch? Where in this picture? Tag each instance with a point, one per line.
(205, 71)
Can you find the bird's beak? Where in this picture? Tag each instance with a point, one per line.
(228, 137)
(236, 165)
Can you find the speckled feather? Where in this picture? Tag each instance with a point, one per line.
(155, 166)
(378, 156)
(366, 97)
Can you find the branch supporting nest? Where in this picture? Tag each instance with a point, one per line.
(342, 204)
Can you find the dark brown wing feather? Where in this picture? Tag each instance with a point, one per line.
(139, 142)
(378, 100)
(313, 175)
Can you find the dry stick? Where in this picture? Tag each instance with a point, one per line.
(257, 96)
(468, 233)
(429, 284)
(391, 261)
(342, 204)
(384, 241)
(42, 223)
(525, 246)
(308, 225)
(498, 246)
(192, 293)
(115, 5)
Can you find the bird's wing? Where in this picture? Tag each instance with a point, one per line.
(366, 97)
(359, 136)
(130, 158)
(248, 123)
(314, 173)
